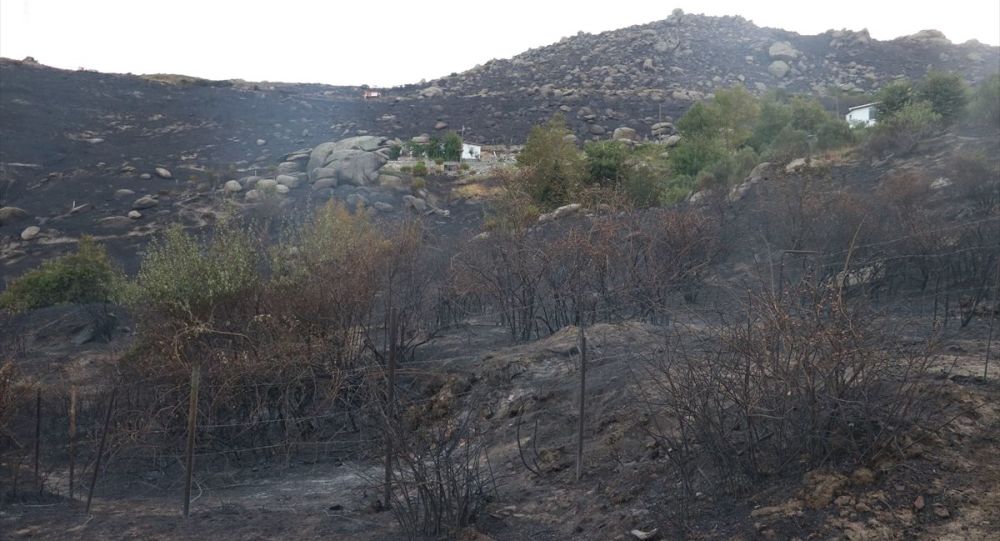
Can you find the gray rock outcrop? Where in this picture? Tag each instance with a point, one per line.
(354, 161)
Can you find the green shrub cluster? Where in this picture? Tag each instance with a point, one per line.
(187, 276)
(946, 94)
(85, 276)
(419, 169)
(447, 148)
(722, 140)
(984, 110)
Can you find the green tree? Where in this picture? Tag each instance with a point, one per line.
(694, 154)
(186, 278)
(85, 276)
(552, 164)
(985, 107)
(737, 111)
(892, 98)
(946, 92)
(451, 147)
(606, 162)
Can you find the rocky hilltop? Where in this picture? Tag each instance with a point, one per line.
(634, 76)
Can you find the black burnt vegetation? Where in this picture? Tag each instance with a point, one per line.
(798, 359)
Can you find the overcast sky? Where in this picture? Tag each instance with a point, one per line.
(390, 42)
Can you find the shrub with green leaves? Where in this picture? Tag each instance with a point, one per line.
(85, 276)
(606, 162)
(892, 98)
(186, 277)
(419, 169)
(553, 167)
(901, 132)
(985, 107)
(696, 153)
(946, 93)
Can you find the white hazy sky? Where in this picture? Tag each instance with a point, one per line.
(390, 42)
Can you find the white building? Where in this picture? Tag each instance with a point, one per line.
(471, 152)
(862, 115)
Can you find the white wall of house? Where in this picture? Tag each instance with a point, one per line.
(471, 152)
(862, 116)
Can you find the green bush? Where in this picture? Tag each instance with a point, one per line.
(420, 169)
(677, 189)
(186, 277)
(985, 107)
(789, 144)
(86, 276)
(694, 154)
(553, 167)
(729, 116)
(946, 93)
(774, 116)
(395, 151)
(606, 162)
(892, 98)
(901, 132)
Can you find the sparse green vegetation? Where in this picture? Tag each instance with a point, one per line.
(552, 165)
(187, 277)
(984, 110)
(85, 276)
(419, 169)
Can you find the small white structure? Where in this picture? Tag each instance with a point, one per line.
(471, 152)
(862, 115)
(371, 94)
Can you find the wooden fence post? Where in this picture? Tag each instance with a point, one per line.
(390, 403)
(192, 425)
(72, 440)
(583, 393)
(100, 446)
(38, 436)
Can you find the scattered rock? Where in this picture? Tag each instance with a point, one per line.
(941, 511)
(145, 202)
(163, 172)
(440, 125)
(672, 141)
(9, 215)
(783, 50)
(266, 185)
(795, 165)
(281, 189)
(918, 503)
(123, 193)
(941, 183)
(30, 232)
(252, 195)
(324, 183)
(415, 203)
(287, 180)
(232, 186)
(560, 212)
(382, 206)
(779, 69)
(643, 536)
(432, 92)
(134, 214)
(625, 134)
(356, 200)
(147, 176)
(261, 142)
(289, 167)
